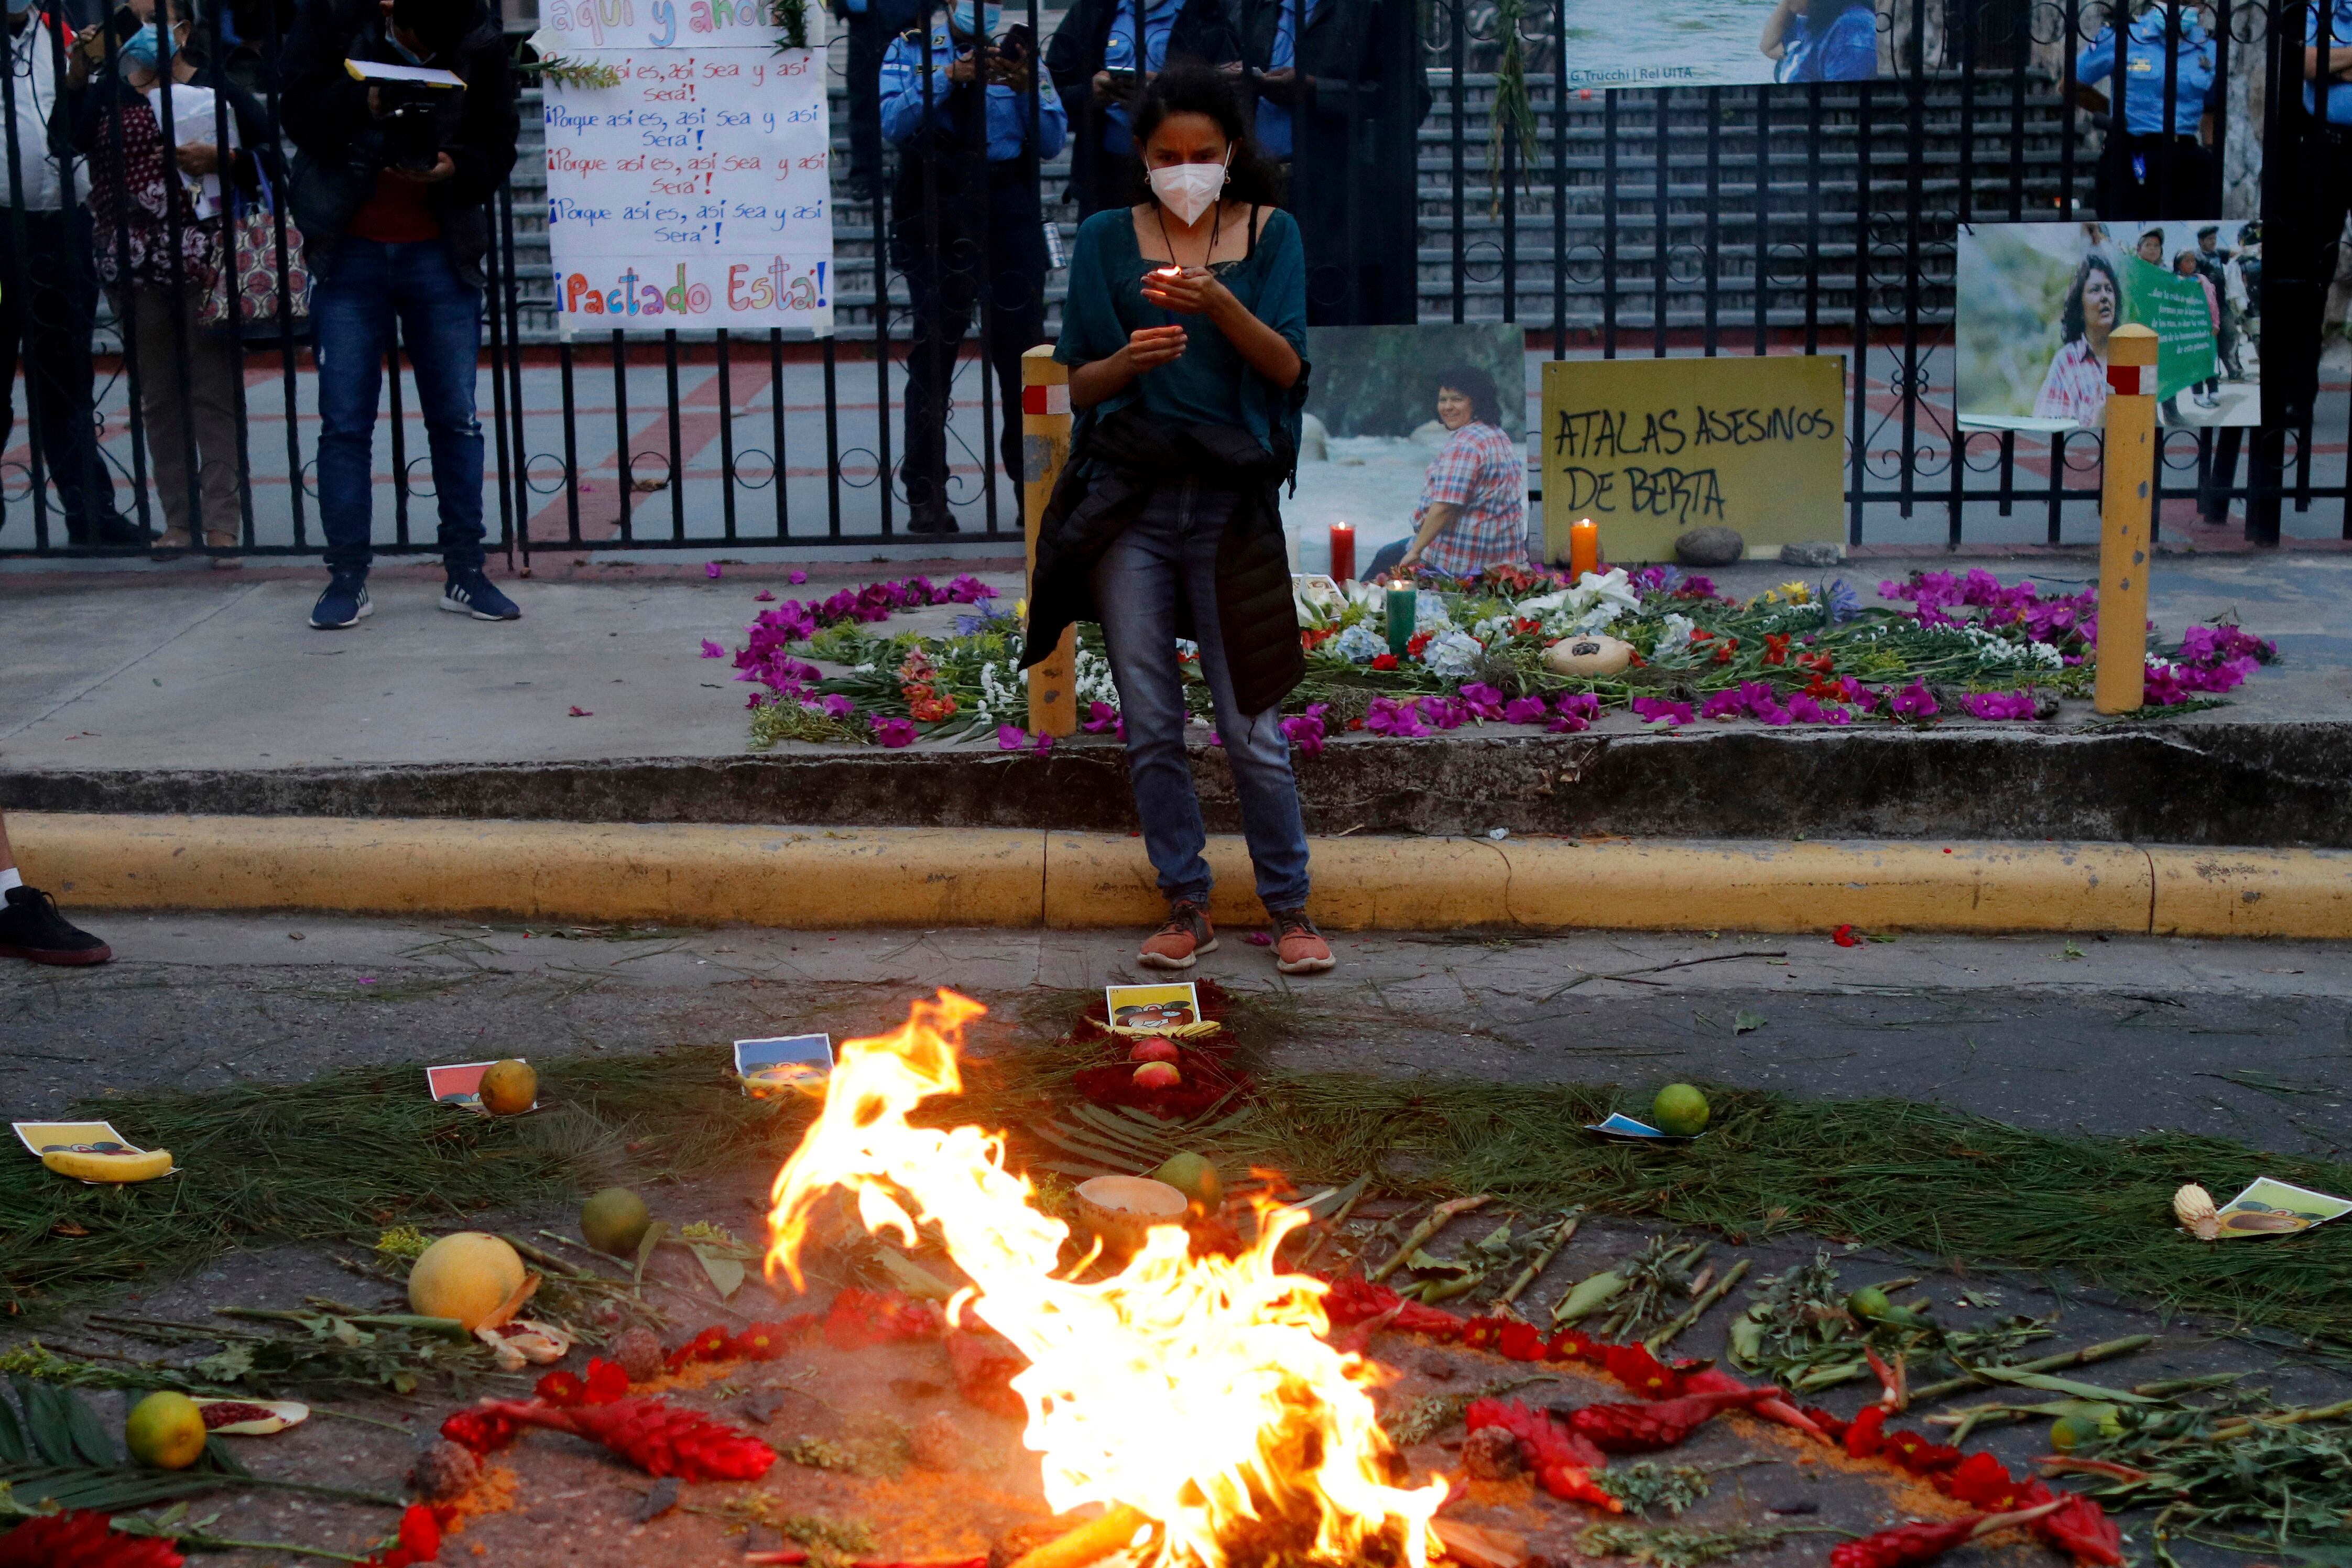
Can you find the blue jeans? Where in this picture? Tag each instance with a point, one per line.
(373, 285)
(1172, 549)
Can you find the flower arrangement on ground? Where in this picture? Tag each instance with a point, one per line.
(1675, 652)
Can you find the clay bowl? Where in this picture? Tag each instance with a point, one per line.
(1117, 1212)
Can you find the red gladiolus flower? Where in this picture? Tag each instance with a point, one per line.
(1384, 661)
(76, 1537)
(1867, 1436)
(1776, 648)
(1843, 936)
(2082, 1527)
(1414, 644)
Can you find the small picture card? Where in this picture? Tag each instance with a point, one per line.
(1152, 1009)
(2274, 1208)
(460, 1083)
(789, 1064)
(74, 1137)
(1619, 1125)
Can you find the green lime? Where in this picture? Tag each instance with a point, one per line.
(614, 1220)
(2094, 1424)
(1195, 1177)
(165, 1431)
(1679, 1112)
(1868, 1303)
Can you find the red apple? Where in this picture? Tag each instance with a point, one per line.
(1157, 1075)
(1154, 1051)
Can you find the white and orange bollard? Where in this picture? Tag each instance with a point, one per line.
(2127, 509)
(1044, 449)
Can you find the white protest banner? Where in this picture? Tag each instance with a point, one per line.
(693, 191)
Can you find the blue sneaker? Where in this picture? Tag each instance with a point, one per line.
(345, 603)
(470, 594)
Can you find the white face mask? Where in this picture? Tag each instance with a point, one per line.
(1189, 188)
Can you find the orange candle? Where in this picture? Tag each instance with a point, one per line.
(1583, 547)
(1343, 553)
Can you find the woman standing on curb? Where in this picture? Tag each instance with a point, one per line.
(1185, 331)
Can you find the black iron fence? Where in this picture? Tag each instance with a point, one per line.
(1714, 220)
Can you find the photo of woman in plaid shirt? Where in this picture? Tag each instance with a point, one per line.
(1473, 500)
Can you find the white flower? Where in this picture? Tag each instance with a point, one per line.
(1094, 680)
(1452, 654)
(1359, 644)
(1593, 604)
(1677, 637)
(1429, 612)
(1316, 599)
(1493, 626)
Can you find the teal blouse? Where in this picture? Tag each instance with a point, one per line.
(1210, 383)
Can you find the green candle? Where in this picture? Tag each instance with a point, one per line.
(1402, 603)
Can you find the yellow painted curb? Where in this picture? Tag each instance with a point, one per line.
(696, 874)
(2251, 892)
(1360, 884)
(1820, 885)
(835, 878)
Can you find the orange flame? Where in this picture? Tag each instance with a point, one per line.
(1200, 1392)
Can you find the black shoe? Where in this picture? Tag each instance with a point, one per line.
(124, 531)
(932, 520)
(31, 928)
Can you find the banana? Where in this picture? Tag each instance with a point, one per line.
(117, 1168)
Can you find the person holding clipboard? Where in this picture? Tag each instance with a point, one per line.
(1185, 332)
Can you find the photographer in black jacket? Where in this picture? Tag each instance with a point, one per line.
(389, 184)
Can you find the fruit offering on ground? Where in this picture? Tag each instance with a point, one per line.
(468, 1276)
(613, 1222)
(115, 1168)
(1192, 1175)
(509, 1088)
(1679, 1112)
(1154, 1051)
(165, 1431)
(1157, 1075)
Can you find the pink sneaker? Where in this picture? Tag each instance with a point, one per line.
(1184, 938)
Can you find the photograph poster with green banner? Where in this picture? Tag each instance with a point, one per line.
(2172, 307)
(2037, 301)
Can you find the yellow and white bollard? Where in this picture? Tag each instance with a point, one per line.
(1045, 447)
(2127, 509)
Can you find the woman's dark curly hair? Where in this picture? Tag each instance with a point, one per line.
(1486, 404)
(2072, 325)
(1187, 87)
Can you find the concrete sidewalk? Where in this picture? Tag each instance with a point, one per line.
(208, 671)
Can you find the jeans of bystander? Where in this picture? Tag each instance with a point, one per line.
(374, 285)
(1171, 550)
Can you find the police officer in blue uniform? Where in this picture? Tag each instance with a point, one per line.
(966, 228)
(2153, 167)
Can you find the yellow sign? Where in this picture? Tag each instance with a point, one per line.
(1650, 448)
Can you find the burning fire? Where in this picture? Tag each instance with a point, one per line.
(1199, 1392)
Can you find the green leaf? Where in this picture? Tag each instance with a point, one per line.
(2049, 1385)
(45, 1420)
(13, 1450)
(913, 1278)
(1746, 1023)
(725, 1273)
(653, 1238)
(91, 1441)
(1424, 1263)
(219, 1458)
(226, 1366)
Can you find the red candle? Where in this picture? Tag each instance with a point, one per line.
(1343, 551)
(1583, 547)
